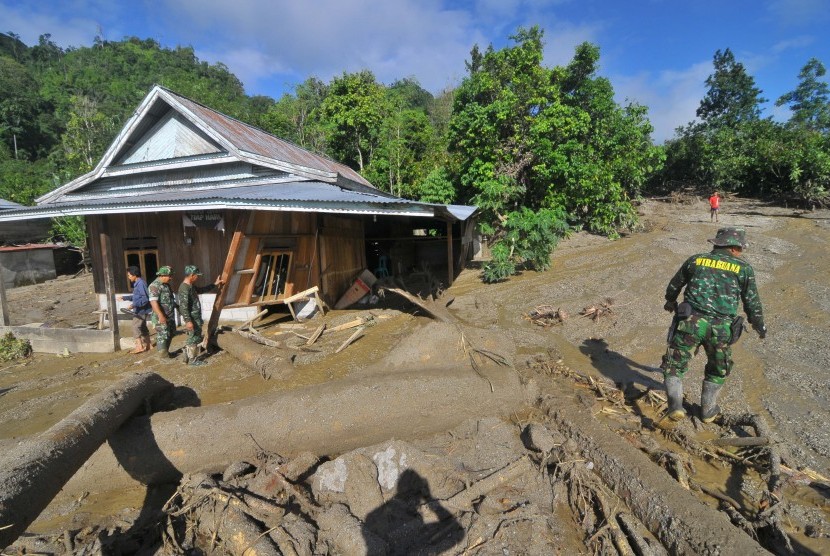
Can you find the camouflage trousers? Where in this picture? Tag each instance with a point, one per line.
(164, 332)
(195, 336)
(713, 335)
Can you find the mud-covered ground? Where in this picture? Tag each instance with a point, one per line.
(782, 378)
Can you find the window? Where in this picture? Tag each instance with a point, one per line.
(272, 275)
(143, 253)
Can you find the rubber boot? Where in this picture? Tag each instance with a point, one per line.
(675, 411)
(163, 351)
(193, 356)
(709, 409)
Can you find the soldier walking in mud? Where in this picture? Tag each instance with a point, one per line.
(164, 307)
(714, 284)
(191, 310)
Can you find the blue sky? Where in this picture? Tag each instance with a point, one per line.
(656, 52)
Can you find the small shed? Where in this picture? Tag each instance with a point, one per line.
(27, 231)
(183, 184)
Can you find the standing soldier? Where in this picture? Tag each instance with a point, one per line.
(164, 307)
(191, 310)
(715, 283)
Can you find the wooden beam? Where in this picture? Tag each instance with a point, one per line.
(38, 467)
(227, 271)
(4, 306)
(450, 259)
(109, 285)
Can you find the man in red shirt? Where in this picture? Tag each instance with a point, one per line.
(714, 205)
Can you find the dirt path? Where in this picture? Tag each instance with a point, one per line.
(783, 378)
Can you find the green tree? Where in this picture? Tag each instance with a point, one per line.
(19, 109)
(352, 113)
(72, 230)
(437, 187)
(524, 136)
(732, 97)
(810, 101)
(296, 117)
(88, 133)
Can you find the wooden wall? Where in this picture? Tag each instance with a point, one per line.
(342, 254)
(328, 250)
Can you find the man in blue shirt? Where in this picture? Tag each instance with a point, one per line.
(140, 309)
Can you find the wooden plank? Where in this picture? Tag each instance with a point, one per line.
(251, 321)
(346, 326)
(4, 306)
(450, 262)
(301, 295)
(316, 335)
(230, 260)
(109, 285)
(351, 339)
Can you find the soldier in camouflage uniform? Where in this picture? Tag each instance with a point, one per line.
(191, 310)
(164, 307)
(715, 283)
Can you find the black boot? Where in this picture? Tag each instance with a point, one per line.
(675, 411)
(709, 409)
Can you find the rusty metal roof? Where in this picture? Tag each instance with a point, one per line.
(254, 140)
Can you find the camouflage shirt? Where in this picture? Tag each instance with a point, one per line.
(715, 282)
(190, 307)
(163, 294)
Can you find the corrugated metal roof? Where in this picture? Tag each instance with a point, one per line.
(251, 139)
(291, 196)
(4, 204)
(28, 247)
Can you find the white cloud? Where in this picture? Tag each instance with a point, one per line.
(793, 43)
(798, 12)
(31, 22)
(562, 38)
(672, 96)
(394, 38)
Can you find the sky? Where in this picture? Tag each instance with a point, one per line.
(655, 52)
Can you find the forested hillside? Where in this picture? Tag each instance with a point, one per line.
(540, 150)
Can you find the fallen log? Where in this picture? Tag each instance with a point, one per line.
(262, 358)
(324, 419)
(34, 471)
(433, 309)
(681, 522)
(741, 442)
(464, 499)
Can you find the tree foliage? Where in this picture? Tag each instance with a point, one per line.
(733, 149)
(528, 140)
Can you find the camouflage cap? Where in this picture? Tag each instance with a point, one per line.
(164, 271)
(192, 269)
(730, 237)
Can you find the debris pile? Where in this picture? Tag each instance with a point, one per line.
(598, 310)
(546, 315)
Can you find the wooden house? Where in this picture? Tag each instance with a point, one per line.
(183, 184)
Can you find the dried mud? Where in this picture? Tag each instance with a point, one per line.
(782, 378)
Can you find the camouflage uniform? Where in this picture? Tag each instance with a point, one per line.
(715, 283)
(190, 309)
(162, 293)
